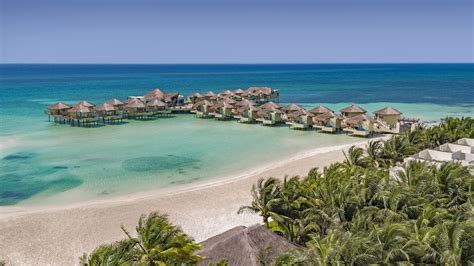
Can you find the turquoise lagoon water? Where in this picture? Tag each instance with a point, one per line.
(41, 163)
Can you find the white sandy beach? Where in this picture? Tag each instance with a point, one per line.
(59, 235)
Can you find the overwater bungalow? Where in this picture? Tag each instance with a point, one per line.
(171, 99)
(223, 110)
(260, 94)
(300, 119)
(388, 119)
(58, 111)
(86, 104)
(116, 103)
(269, 116)
(210, 96)
(225, 94)
(291, 108)
(238, 92)
(244, 103)
(328, 122)
(360, 125)
(136, 108)
(248, 114)
(319, 110)
(82, 115)
(158, 107)
(270, 105)
(107, 113)
(203, 109)
(196, 97)
(352, 111)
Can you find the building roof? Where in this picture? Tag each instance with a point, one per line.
(244, 102)
(85, 103)
(291, 108)
(115, 102)
(265, 111)
(155, 102)
(387, 111)
(78, 108)
(243, 246)
(156, 93)
(135, 103)
(239, 91)
(105, 107)
(301, 112)
(197, 95)
(209, 94)
(326, 116)
(270, 105)
(59, 106)
(320, 110)
(360, 118)
(353, 109)
(226, 92)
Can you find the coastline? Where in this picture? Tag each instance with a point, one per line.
(60, 234)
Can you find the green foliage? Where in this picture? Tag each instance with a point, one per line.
(355, 213)
(158, 242)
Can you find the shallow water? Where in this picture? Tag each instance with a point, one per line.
(41, 163)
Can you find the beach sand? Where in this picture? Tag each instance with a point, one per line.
(59, 235)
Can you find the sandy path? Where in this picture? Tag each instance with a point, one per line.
(59, 236)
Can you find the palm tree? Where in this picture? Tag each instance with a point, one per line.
(264, 195)
(158, 242)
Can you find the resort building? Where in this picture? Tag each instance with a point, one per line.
(203, 109)
(136, 108)
(248, 114)
(270, 105)
(319, 110)
(82, 115)
(196, 97)
(352, 111)
(461, 152)
(261, 94)
(288, 110)
(107, 113)
(157, 107)
(223, 110)
(360, 125)
(300, 119)
(239, 92)
(388, 120)
(210, 96)
(269, 116)
(58, 109)
(171, 99)
(116, 103)
(328, 122)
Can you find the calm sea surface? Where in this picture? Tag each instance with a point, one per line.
(45, 164)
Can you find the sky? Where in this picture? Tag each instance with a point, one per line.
(236, 31)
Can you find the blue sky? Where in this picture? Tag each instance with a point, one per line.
(231, 31)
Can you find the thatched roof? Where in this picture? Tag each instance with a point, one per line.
(359, 118)
(246, 108)
(114, 102)
(239, 92)
(226, 92)
(299, 113)
(78, 108)
(197, 95)
(387, 111)
(244, 102)
(270, 105)
(156, 93)
(202, 103)
(59, 106)
(85, 103)
(105, 107)
(244, 246)
(353, 109)
(326, 116)
(223, 104)
(135, 103)
(259, 90)
(209, 94)
(155, 102)
(265, 111)
(320, 110)
(291, 108)
(229, 100)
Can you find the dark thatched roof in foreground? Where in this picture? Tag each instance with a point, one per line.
(244, 246)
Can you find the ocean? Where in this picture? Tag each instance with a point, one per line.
(42, 163)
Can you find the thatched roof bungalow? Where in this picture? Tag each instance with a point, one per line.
(243, 246)
(352, 111)
(319, 110)
(388, 115)
(58, 108)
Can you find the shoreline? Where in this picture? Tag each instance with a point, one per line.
(59, 235)
(13, 211)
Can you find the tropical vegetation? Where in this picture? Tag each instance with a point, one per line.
(371, 208)
(157, 242)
